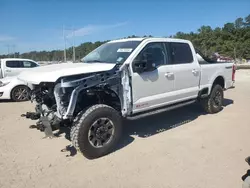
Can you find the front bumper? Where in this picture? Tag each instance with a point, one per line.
(47, 122)
(4, 93)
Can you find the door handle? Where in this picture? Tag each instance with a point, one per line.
(169, 74)
(194, 71)
(8, 70)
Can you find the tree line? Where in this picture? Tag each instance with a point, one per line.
(233, 40)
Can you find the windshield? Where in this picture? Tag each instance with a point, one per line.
(114, 52)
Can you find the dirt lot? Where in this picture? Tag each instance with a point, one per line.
(182, 148)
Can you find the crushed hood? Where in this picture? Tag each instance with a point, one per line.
(51, 73)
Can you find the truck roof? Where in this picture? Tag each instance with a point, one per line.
(151, 39)
(16, 59)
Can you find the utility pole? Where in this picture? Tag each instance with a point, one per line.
(65, 58)
(8, 46)
(14, 51)
(74, 53)
(234, 53)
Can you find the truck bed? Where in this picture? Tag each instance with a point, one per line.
(209, 72)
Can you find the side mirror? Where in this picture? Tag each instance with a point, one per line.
(144, 65)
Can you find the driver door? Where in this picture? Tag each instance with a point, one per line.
(152, 88)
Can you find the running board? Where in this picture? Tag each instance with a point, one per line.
(157, 111)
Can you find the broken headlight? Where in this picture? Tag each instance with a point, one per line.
(3, 83)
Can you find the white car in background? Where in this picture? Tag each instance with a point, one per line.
(14, 89)
(10, 86)
(13, 66)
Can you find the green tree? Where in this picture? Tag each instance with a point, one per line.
(239, 23)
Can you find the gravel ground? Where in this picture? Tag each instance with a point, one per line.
(181, 148)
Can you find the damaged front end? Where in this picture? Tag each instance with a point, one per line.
(45, 109)
(57, 104)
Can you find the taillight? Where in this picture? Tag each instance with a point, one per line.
(233, 72)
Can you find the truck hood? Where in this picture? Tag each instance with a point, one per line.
(51, 73)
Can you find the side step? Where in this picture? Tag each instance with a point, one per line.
(165, 109)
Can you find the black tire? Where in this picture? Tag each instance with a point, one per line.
(20, 93)
(211, 105)
(82, 127)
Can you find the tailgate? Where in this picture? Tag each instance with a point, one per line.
(229, 76)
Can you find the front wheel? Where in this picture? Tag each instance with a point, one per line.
(213, 103)
(20, 93)
(96, 131)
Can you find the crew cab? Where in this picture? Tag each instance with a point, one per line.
(124, 78)
(13, 66)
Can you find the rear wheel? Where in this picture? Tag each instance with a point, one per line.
(20, 93)
(96, 131)
(213, 103)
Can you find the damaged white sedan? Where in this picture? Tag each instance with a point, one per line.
(123, 78)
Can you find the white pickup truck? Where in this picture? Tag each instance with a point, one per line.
(13, 66)
(123, 79)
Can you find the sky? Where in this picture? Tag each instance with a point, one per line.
(28, 25)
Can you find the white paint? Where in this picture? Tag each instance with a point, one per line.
(167, 84)
(10, 71)
(12, 82)
(172, 83)
(51, 73)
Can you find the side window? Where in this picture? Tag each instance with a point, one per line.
(29, 64)
(155, 51)
(14, 64)
(180, 53)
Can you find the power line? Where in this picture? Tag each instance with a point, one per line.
(9, 46)
(72, 35)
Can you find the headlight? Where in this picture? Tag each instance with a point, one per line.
(3, 84)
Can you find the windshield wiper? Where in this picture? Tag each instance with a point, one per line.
(97, 61)
(94, 61)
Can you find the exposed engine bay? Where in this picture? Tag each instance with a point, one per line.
(57, 104)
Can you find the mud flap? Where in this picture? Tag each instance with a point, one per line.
(47, 127)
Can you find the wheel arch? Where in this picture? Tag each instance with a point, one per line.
(105, 96)
(219, 80)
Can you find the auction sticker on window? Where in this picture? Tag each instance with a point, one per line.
(124, 50)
